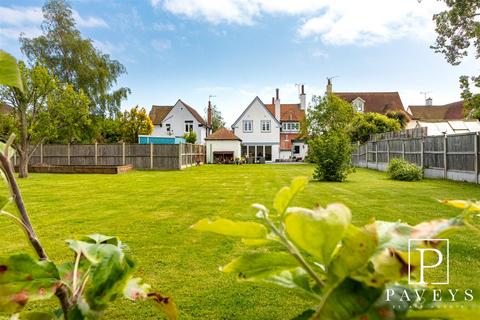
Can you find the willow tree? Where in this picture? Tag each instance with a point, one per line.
(74, 60)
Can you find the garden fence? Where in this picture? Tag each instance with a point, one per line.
(454, 157)
(141, 156)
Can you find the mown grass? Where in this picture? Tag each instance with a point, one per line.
(152, 212)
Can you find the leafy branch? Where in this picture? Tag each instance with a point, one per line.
(345, 270)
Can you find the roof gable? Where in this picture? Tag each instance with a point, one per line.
(256, 99)
(194, 112)
(159, 113)
(379, 102)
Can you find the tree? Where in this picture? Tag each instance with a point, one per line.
(73, 59)
(217, 119)
(458, 29)
(46, 110)
(190, 137)
(401, 116)
(327, 127)
(364, 125)
(134, 123)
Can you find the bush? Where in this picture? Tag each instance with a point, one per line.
(364, 125)
(399, 169)
(190, 137)
(331, 152)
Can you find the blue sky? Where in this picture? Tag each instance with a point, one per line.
(237, 49)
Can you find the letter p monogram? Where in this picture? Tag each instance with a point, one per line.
(427, 259)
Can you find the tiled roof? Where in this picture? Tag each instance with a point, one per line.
(158, 113)
(288, 111)
(451, 111)
(286, 140)
(223, 134)
(379, 102)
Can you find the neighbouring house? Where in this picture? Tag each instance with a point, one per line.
(441, 119)
(379, 102)
(271, 132)
(223, 146)
(178, 120)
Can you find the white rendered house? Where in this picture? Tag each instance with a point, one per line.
(271, 131)
(177, 120)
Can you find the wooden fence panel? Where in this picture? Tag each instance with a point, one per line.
(460, 152)
(55, 154)
(434, 152)
(413, 151)
(110, 155)
(82, 154)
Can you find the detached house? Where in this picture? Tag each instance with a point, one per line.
(177, 120)
(271, 131)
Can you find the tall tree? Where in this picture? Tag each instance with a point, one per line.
(134, 123)
(458, 30)
(44, 111)
(366, 124)
(217, 119)
(73, 59)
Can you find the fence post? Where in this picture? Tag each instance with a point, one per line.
(180, 155)
(41, 153)
(376, 155)
(388, 151)
(68, 154)
(366, 155)
(475, 148)
(151, 155)
(123, 153)
(403, 149)
(358, 153)
(445, 167)
(422, 153)
(96, 153)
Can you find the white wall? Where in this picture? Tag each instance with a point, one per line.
(176, 118)
(303, 149)
(222, 145)
(257, 112)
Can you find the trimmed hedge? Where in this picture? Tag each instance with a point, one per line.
(399, 169)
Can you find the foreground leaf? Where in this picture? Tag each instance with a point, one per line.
(318, 232)
(258, 266)
(165, 304)
(286, 194)
(23, 279)
(136, 289)
(232, 228)
(9, 73)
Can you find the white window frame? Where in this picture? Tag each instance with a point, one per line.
(247, 125)
(265, 125)
(188, 126)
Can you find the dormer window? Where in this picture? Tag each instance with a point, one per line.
(359, 104)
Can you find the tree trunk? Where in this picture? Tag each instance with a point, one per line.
(23, 163)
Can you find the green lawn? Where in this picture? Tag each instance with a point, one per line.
(152, 212)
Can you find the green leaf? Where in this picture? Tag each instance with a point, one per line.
(297, 279)
(23, 279)
(318, 232)
(232, 228)
(286, 194)
(100, 238)
(305, 315)
(358, 246)
(258, 266)
(9, 73)
(349, 300)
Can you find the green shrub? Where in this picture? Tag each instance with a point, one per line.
(331, 153)
(190, 137)
(364, 125)
(399, 169)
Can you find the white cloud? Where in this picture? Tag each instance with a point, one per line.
(20, 16)
(371, 21)
(89, 22)
(161, 45)
(332, 21)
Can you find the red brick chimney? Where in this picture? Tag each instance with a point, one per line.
(209, 115)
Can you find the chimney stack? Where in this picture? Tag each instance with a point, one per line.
(277, 105)
(273, 101)
(303, 98)
(429, 102)
(329, 86)
(209, 116)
